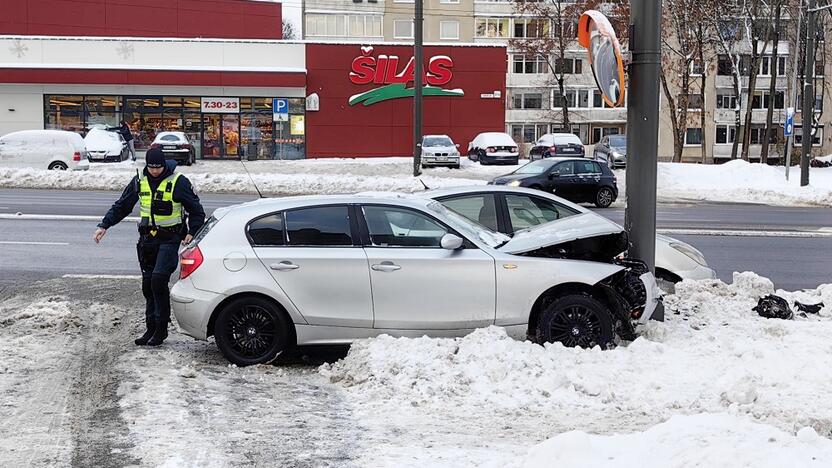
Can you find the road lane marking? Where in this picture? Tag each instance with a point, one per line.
(822, 232)
(82, 276)
(33, 243)
(45, 217)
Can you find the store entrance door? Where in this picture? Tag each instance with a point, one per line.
(220, 136)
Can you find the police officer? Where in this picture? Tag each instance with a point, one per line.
(165, 196)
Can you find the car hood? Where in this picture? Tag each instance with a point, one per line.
(509, 177)
(581, 226)
(621, 151)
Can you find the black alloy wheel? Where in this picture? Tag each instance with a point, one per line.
(251, 330)
(604, 197)
(576, 320)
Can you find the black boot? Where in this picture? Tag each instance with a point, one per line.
(160, 334)
(151, 328)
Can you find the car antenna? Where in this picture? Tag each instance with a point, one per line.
(423, 184)
(251, 179)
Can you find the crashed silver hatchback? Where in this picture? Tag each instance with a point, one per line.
(268, 275)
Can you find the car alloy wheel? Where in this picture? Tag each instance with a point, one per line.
(604, 197)
(575, 320)
(575, 326)
(251, 331)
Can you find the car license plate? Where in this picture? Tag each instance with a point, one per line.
(167, 147)
(442, 158)
(569, 150)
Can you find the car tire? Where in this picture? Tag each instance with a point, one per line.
(604, 197)
(251, 330)
(576, 320)
(482, 160)
(58, 166)
(455, 166)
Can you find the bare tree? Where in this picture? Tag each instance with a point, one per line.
(774, 69)
(758, 33)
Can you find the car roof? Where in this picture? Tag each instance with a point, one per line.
(436, 136)
(443, 192)
(268, 205)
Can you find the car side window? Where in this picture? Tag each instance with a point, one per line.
(528, 211)
(397, 227)
(268, 230)
(587, 167)
(564, 169)
(319, 226)
(479, 208)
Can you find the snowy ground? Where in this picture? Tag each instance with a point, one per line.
(736, 181)
(715, 385)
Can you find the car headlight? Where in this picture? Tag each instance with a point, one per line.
(616, 154)
(514, 183)
(690, 252)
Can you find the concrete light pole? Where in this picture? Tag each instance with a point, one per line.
(417, 88)
(643, 128)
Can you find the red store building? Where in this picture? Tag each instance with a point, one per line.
(237, 91)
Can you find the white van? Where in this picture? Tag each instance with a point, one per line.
(44, 149)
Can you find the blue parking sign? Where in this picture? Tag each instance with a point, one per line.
(280, 109)
(788, 125)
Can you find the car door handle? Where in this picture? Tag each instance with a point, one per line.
(284, 266)
(386, 266)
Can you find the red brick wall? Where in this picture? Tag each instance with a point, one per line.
(385, 128)
(231, 19)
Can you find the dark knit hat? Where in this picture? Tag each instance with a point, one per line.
(154, 158)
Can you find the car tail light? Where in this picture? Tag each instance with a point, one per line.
(553, 149)
(189, 261)
(76, 156)
(155, 145)
(491, 149)
(187, 146)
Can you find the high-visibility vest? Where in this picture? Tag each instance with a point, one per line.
(159, 208)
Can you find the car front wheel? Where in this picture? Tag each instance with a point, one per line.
(575, 320)
(604, 197)
(58, 166)
(251, 330)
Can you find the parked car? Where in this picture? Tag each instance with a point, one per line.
(44, 149)
(175, 145)
(103, 145)
(493, 147)
(575, 179)
(554, 145)
(512, 209)
(439, 150)
(613, 150)
(270, 274)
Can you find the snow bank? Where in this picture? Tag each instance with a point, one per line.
(706, 440)
(713, 354)
(740, 181)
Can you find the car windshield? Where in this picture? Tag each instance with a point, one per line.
(437, 141)
(534, 168)
(618, 141)
(469, 228)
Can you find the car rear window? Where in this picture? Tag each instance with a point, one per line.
(169, 138)
(268, 230)
(203, 231)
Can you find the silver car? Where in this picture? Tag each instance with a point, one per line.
(267, 275)
(439, 150)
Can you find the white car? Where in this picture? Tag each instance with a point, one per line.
(44, 149)
(494, 147)
(270, 274)
(439, 150)
(555, 145)
(104, 145)
(176, 146)
(512, 209)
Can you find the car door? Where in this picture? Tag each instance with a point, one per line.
(417, 284)
(589, 178)
(564, 182)
(312, 257)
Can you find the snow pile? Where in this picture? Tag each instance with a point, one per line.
(706, 440)
(48, 313)
(741, 181)
(713, 354)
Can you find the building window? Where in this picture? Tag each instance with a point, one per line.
(695, 101)
(528, 133)
(492, 27)
(816, 138)
(758, 135)
(761, 98)
(403, 29)
(526, 64)
(696, 68)
(725, 134)
(724, 65)
(693, 136)
(333, 25)
(569, 66)
(449, 30)
(726, 101)
(601, 132)
(531, 28)
(448, 1)
(527, 100)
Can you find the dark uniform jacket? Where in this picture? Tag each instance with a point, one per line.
(183, 193)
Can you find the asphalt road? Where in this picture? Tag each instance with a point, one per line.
(41, 249)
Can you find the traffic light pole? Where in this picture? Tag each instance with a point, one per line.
(643, 128)
(417, 89)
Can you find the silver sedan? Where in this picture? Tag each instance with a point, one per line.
(264, 276)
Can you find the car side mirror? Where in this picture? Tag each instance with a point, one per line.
(457, 145)
(451, 242)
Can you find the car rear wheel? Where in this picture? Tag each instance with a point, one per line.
(251, 330)
(58, 166)
(575, 320)
(604, 197)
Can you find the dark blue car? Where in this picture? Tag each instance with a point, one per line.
(578, 180)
